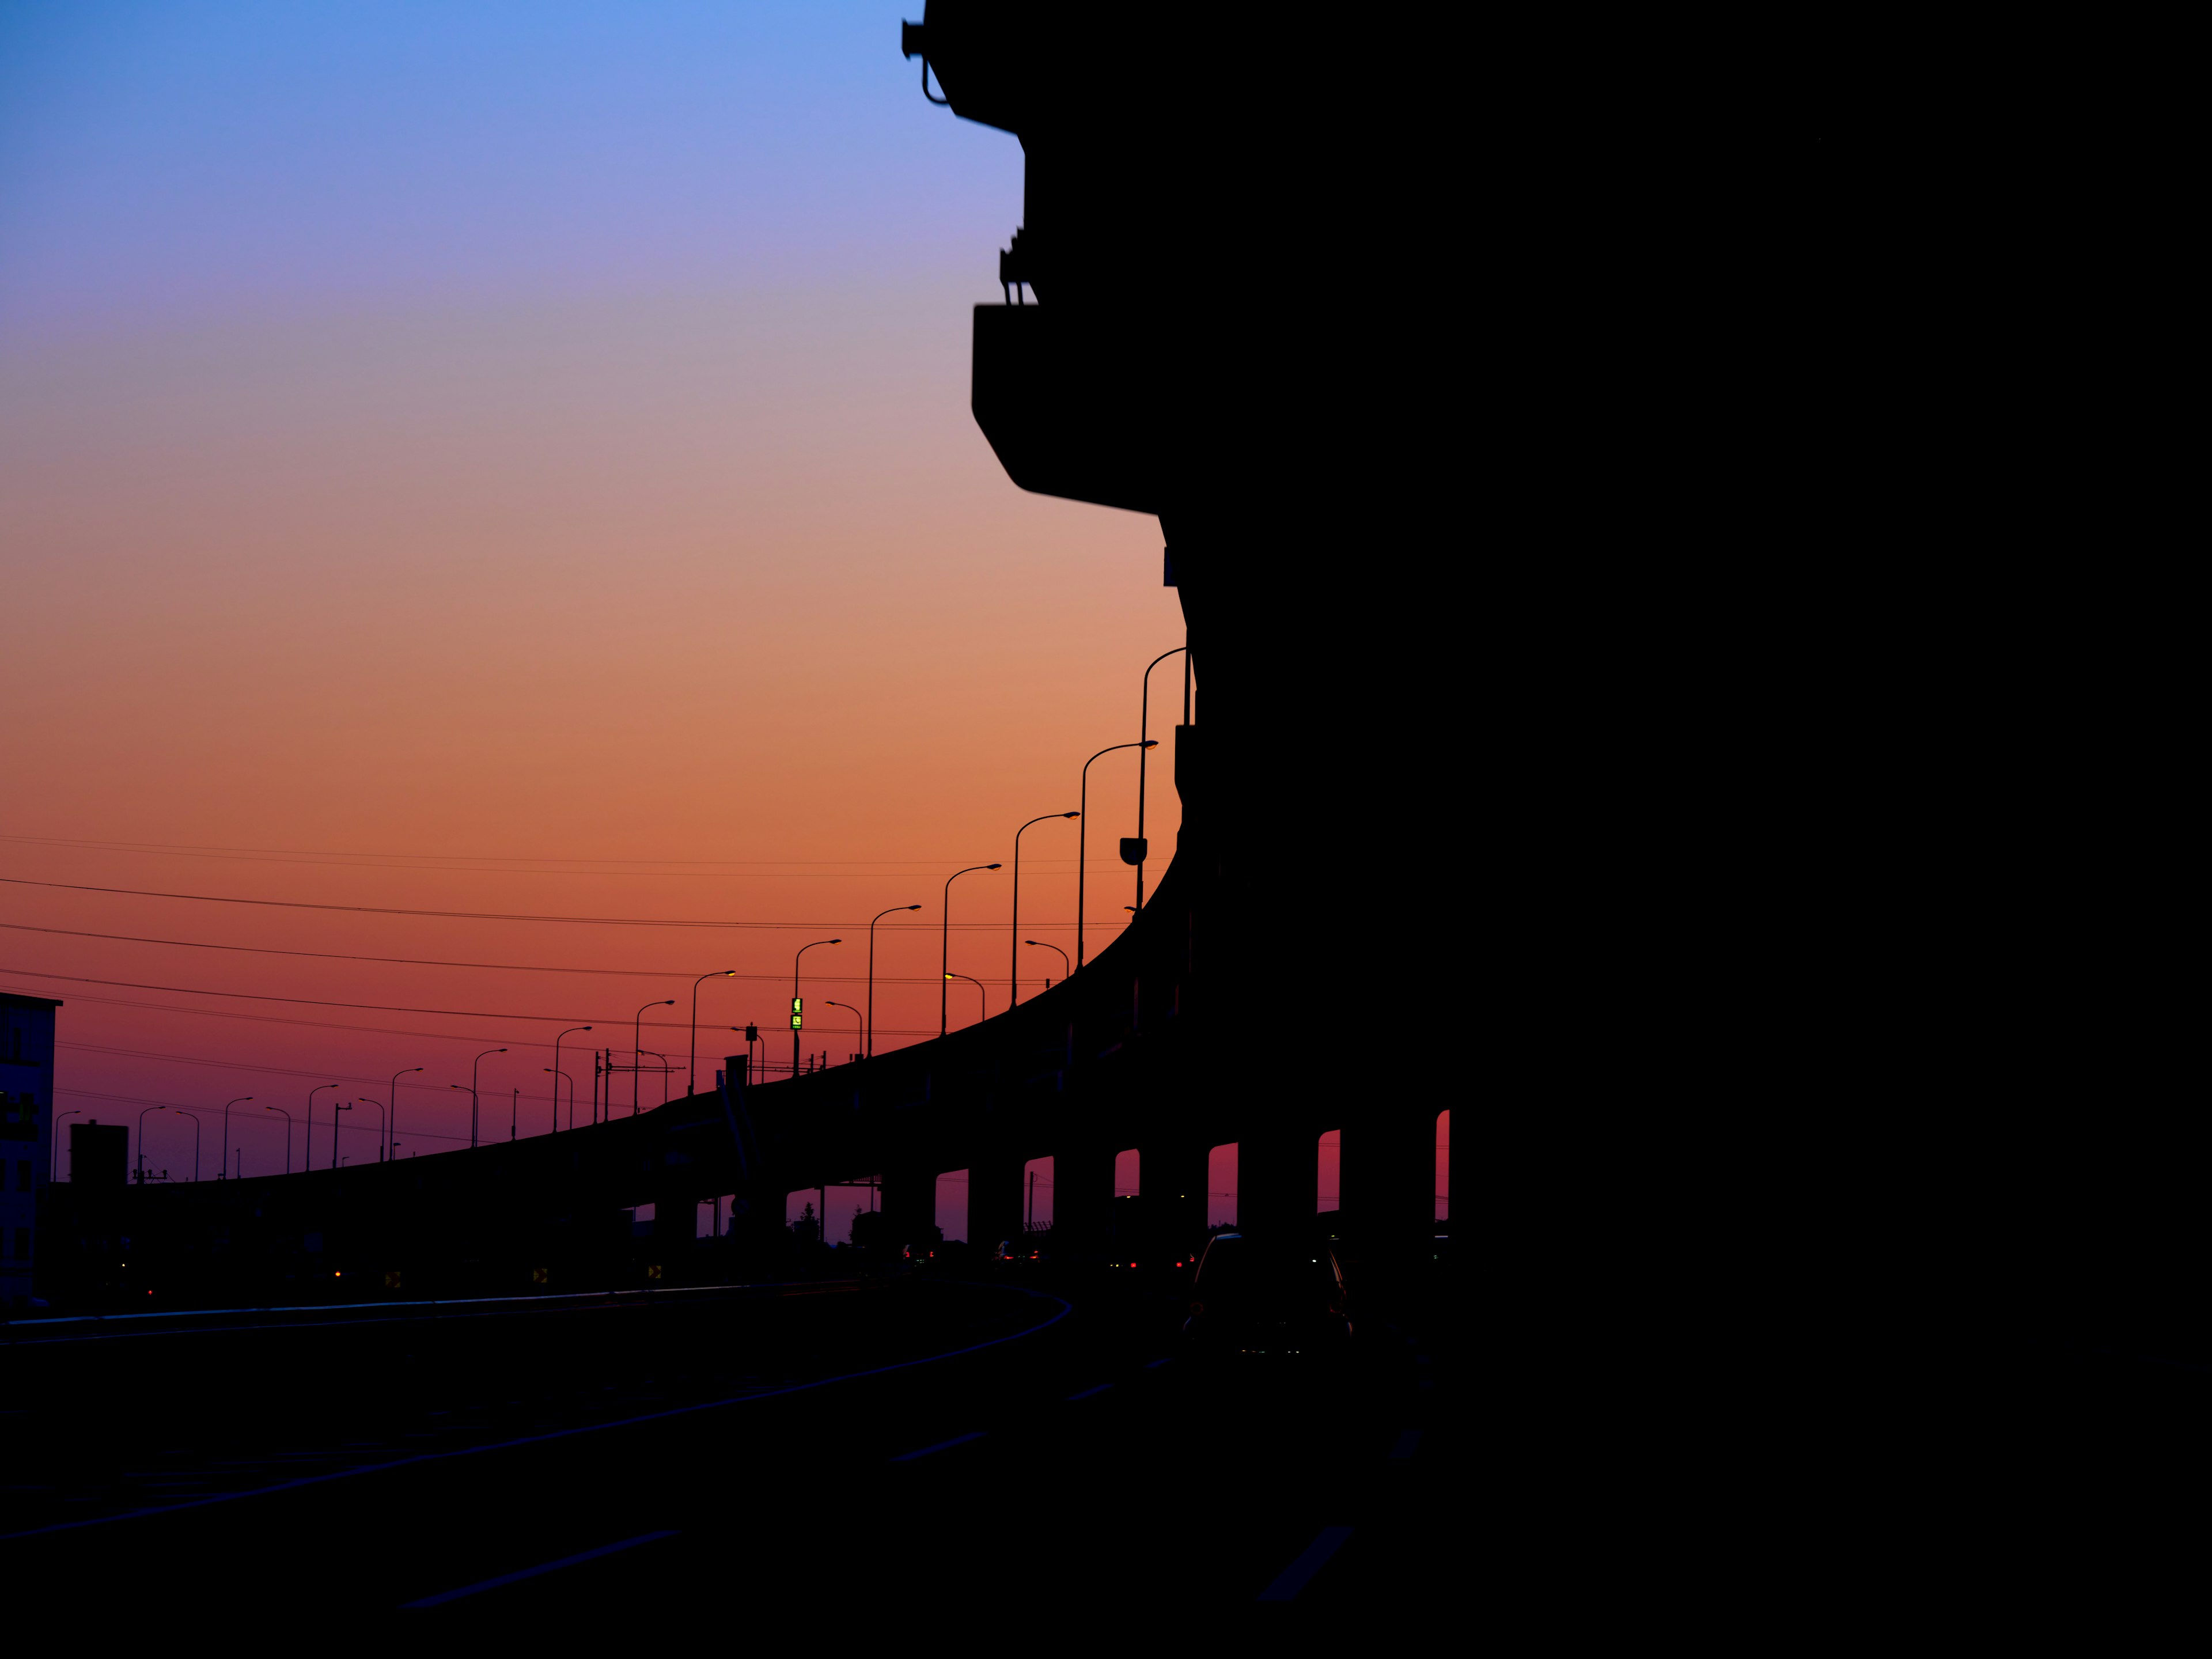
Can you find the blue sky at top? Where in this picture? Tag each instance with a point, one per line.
(166, 163)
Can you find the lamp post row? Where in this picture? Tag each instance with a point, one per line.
(864, 1018)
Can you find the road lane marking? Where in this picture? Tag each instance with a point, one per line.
(942, 1445)
(1296, 1576)
(532, 1572)
(537, 1439)
(1406, 1442)
(1087, 1393)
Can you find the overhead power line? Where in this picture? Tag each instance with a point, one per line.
(609, 1020)
(368, 1030)
(477, 915)
(501, 967)
(839, 869)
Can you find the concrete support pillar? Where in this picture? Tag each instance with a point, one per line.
(1082, 1198)
(909, 1204)
(675, 1226)
(1171, 1183)
(994, 1201)
(1277, 1175)
(1389, 1185)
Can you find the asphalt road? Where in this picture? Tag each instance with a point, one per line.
(839, 1446)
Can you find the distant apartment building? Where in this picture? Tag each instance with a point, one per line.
(27, 1134)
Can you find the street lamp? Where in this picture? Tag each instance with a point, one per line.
(727, 972)
(54, 1152)
(636, 1055)
(1083, 835)
(477, 1061)
(308, 1156)
(1044, 945)
(869, 1046)
(383, 1132)
(142, 1144)
(227, 1105)
(571, 1031)
(983, 1004)
(945, 952)
(287, 1116)
(391, 1122)
(557, 1075)
(1014, 950)
(797, 1018)
(195, 1117)
(1144, 730)
(861, 1025)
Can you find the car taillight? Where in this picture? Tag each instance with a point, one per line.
(1196, 1309)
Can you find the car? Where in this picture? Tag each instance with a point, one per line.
(1255, 1295)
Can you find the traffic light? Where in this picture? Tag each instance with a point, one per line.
(752, 1034)
(798, 1012)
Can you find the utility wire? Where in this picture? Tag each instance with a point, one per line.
(610, 1021)
(476, 915)
(374, 1030)
(487, 863)
(502, 967)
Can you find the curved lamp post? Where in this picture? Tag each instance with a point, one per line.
(869, 1046)
(1014, 951)
(797, 1017)
(636, 1053)
(1144, 730)
(983, 1002)
(666, 1068)
(142, 1144)
(555, 1069)
(860, 1023)
(195, 1117)
(724, 973)
(386, 1147)
(473, 1064)
(307, 1158)
(391, 1122)
(287, 1116)
(944, 951)
(54, 1152)
(556, 1076)
(1082, 834)
(1046, 944)
(227, 1105)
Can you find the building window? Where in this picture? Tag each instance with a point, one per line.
(23, 1175)
(23, 1243)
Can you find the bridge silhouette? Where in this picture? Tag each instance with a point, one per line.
(1130, 1053)
(1293, 487)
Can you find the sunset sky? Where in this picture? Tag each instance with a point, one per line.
(516, 459)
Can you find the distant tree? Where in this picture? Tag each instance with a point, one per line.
(868, 1229)
(806, 1229)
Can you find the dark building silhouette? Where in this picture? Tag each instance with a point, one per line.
(26, 1136)
(99, 1154)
